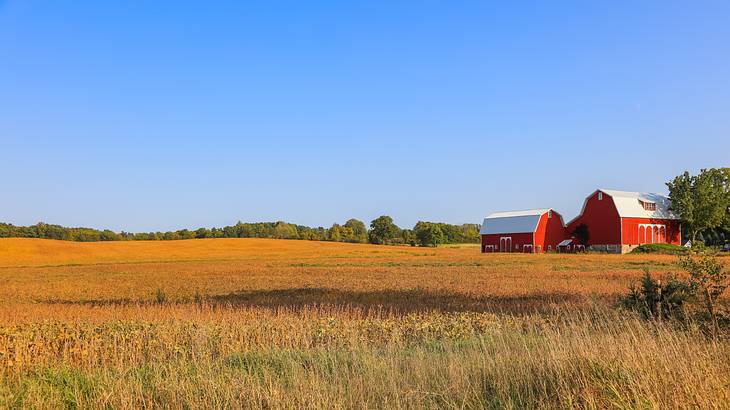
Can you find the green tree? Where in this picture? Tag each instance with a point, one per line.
(582, 234)
(108, 235)
(701, 201)
(185, 234)
(429, 234)
(335, 233)
(170, 236)
(283, 230)
(383, 230)
(409, 237)
(359, 231)
(201, 233)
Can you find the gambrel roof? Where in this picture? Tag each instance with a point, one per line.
(513, 221)
(629, 204)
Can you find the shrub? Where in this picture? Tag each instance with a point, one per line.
(658, 299)
(582, 234)
(699, 246)
(661, 248)
(709, 280)
(160, 296)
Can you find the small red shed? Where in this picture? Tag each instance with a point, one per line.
(530, 231)
(619, 221)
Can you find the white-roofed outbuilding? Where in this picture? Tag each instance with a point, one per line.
(528, 231)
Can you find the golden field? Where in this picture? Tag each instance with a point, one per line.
(280, 272)
(260, 323)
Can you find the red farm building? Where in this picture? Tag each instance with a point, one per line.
(531, 231)
(618, 221)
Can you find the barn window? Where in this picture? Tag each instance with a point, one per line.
(550, 214)
(649, 206)
(600, 196)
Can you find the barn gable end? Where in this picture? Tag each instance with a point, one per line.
(618, 221)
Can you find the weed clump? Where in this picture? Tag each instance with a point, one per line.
(160, 297)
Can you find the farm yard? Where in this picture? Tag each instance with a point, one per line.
(260, 323)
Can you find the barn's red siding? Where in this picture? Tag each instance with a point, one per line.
(602, 219)
(518, 241)
(550, 232)
(635, 231)
(605, 227)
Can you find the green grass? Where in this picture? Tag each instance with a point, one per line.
(662, 248)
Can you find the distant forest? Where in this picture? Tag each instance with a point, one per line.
(382, 231)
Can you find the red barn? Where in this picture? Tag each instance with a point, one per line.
(618, 221)
(531, 231)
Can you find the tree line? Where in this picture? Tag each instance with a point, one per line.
(382, 230)
(702, 201)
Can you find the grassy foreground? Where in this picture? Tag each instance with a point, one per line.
(276, 324)
(326, 359)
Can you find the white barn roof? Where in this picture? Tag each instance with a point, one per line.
(512, 221)
(628, 205)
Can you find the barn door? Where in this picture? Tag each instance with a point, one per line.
(642, 235)
(505, 244)
(508, 244)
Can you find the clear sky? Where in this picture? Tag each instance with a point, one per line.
(163, 115)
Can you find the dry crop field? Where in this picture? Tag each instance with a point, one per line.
(259, 323)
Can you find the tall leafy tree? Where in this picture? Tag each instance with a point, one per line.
(283, 230)
(358, 229)
(582, 234)
(335, 233)
(701, 200)
(429, 234)
(383, 230)
(408, 237)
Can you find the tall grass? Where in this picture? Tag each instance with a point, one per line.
(345, 359)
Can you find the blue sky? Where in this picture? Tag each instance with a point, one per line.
(163, 115)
